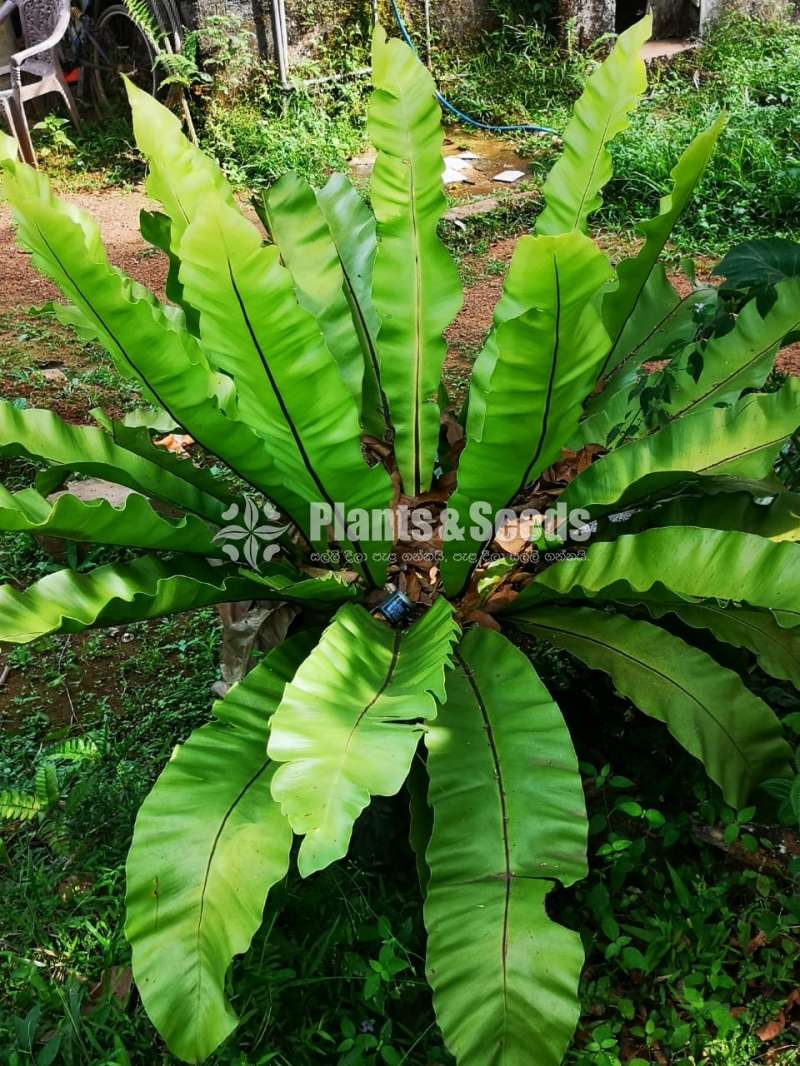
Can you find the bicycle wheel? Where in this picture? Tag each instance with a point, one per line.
(120, 47)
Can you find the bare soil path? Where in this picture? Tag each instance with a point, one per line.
(117, 213)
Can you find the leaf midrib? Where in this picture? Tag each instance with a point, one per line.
(501, 794)
(671, 682)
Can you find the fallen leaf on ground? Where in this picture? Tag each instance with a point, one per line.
(772, 1029)
(177, 443)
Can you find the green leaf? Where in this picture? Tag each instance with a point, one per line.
(87, 450)
(69, 602)
(349, 723)
(706, 707)
(16, 806)
(416, 290)
(134, 524)
(208, 845)
(573, 187)
(145, 339)
(151, 418)
(8, 148)
(509, 820)
(754, 264)
(742, 358)
(742, 441)
(420, 817)
(179, 176)
(354, 233)
(546, 365)
(46, 786)
(292, 214)
(690, 562)
(288, 384)
(662, 322)
(137, 439)
(778, 519)
(634, 273)
(156, 228)
(777, 650)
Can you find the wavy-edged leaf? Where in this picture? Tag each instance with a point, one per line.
(776, 650)
(741, 441)
(348, 725)
(179, 176)
(137, 439)
(690, 562)
(705, 707)
(634, 273)
(145, 339)
(208, 845)
(574, 185)
(509, 820)
(742, 358)
(69, 602)
(354, 232)
(291, 213)
(546, 366)
(134, 524)
(415, 290)
(288, 384)
(759, 264)
(87, 450)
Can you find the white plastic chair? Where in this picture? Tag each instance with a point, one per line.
(36, 70)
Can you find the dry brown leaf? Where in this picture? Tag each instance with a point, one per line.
(501, 598)
(483, 619)
(515, 536)
(758, 941)
(772, 1029)
(177, 443)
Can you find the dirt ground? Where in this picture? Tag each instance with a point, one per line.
(117, 214)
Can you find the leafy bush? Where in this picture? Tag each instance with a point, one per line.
(259, 131)
(748, 67)
(311, 369)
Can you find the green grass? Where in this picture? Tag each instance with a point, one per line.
(747, 67)
(678, 933)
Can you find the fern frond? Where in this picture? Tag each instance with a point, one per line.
(142, 15)
(45, 785)
(76, 749)
(18, 806)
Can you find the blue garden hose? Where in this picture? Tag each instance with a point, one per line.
(524, 127)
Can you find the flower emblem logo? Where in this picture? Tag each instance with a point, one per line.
(251, 530)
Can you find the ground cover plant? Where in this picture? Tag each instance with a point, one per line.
(310, 369)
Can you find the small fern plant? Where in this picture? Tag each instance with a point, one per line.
(46, 805)
(309, 368)
(181, 68)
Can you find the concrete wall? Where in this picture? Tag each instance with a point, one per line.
(310, 22)
(671, 18)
